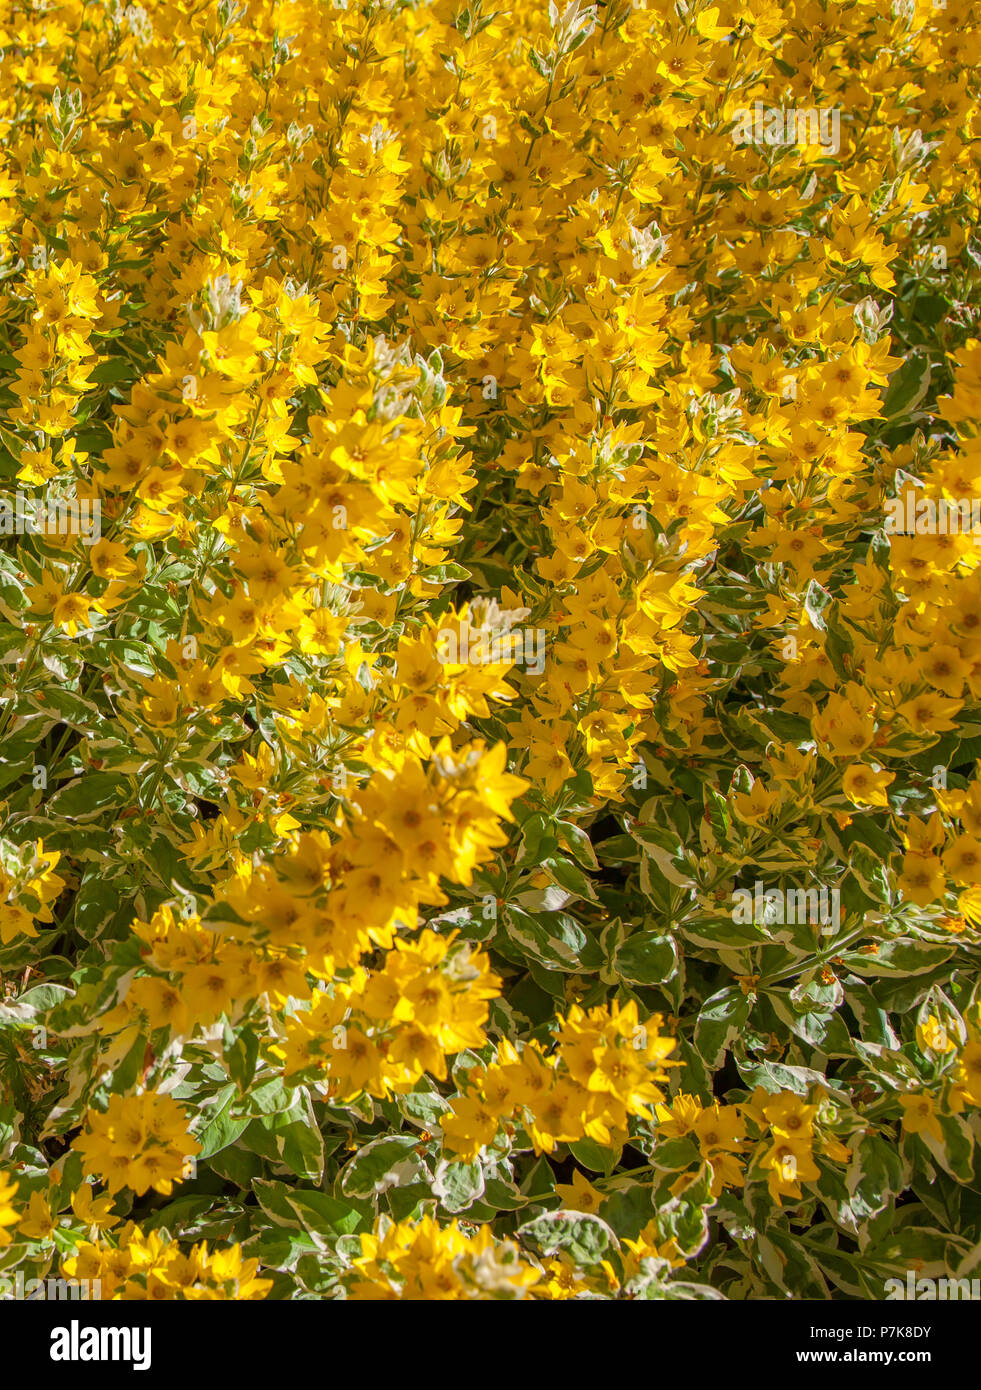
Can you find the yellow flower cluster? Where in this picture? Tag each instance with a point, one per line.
(955, 1083)
(383, 1029)
(138, 1141)
(482, 493)
(784, 1123)
(606, 1066)
(425, 1261)
(139, 1267)
(28, 885)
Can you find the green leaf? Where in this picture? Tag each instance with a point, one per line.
(311, 1213)
(584, 1237)
(579, 843)
(115, 369)
(956, 1153)
(88, 796)
(389, 1161)
(223, 1128)
(570, 877)
(595, 1157)
(792, 1268)
(458, 1185)
(907, 387)
(555, 940)
(721, 1020)
(816, 602)
(241, 1058)
(647, 959)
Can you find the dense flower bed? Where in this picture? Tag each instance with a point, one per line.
(490, 648)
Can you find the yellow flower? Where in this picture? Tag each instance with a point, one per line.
(580, 1194)
(15, 921)
(93, 1211)
(866, 786)
(756, 804)
(967, 1073)
(923, 879)
(9, 1216)
(37, 1223)
(789, 1163)
(138, 1142)
(790, 1116)
(933, 1036)
(919, 1115)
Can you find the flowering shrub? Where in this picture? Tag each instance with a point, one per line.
(490, 648)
